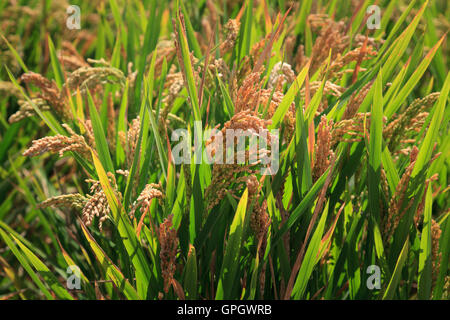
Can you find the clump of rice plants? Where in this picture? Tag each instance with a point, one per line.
(224, 150)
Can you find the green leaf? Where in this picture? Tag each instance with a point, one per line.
(395, 279)
(227, 99)
(427, 146)
(48, 276)
(302, 16)
(121, 126)
(445, 251)
(47, 117)
(190, 33)
(398, 24)
(126, 231)
(309, 261)
(401, 96)
(113, 273)
(245, 31)
(159, 144)
(289, 97)
(315, 101)
(254, 280)
(375, 143)
(71, 262)
(99, 134)
(230, 265)
(190, 276)
(306, 203)
(15, 54)
(391, 171)
(189, 74)
(25, 264)
(59, 75)
(401, 43)
(425, 264)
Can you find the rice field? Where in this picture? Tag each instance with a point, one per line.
(228, 150)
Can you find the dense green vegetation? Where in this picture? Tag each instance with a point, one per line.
(89, 178)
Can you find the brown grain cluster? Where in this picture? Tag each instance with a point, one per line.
(26, 109)
(96, 206)
(322, 152)
(94, 78)
(50, 93)
(151, 191)
(351, 130)
(436, 233)
(224, 175)
(231, 30)
(75, 200)
(247, 97)
(59, 144)
(355, 101)
(129, 139)
(399, 204)
(168, 241)
(411, 119)
(251, 97)
(259, 223)
(281, 74)
(70, 58)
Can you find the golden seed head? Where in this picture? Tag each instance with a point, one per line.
(150, 192)
(168, 241)
(59, 144)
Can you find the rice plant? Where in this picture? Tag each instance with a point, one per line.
(346, 98)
